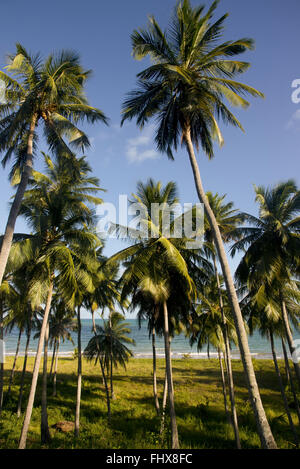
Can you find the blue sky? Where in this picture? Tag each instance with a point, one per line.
(268, 152)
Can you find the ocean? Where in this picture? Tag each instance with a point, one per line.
(259, 347)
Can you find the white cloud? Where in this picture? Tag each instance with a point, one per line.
(139, 148)
(294, 121)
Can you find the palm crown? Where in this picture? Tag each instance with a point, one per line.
(185, 86)
(50, 91)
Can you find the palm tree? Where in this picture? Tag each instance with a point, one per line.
(19, 313)
(51, 93)
(61, 324)
(58, 216)
(157, 267)
(271, 245)
(109, 344)
(184, 88)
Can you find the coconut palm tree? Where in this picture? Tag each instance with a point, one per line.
(40, 92)
(61, 324)
(110, 344)
(157, 267)
(271, 244)
(184, 89)
(59, 216)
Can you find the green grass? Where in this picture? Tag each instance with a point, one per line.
(198, 397)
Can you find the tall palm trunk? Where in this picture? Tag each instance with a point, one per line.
(11, 378)
(284, 398)
(263, 427)
(19, 409)
(291, 379)
(289, 337)
(164, 403)
(55, 367)
(234, 419)
(174, 431)
(1, 353)
(53, 358)
(26, 423)
(102, 370)
(79, 375)
(112, 394)
(223, 383)
(156, 401)
(15, 208)
(45, 434)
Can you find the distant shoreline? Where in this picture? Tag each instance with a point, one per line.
(175, 355)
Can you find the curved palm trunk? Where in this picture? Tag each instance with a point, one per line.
(174, 431)
(263, 427)
(15, 208)
(164, 403)
(11, 378)
(290, 379)
(156, 401)
(102, 370)
(53, 358)
(284, 398)
(45, 434)
(79, 375)
(1, 364)
(234, 419)
(26, 423)
(55, 367)
(289, 337)
(223, 384)
(19, 409)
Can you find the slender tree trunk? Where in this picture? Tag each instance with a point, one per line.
(289, 337)
(45, 434)
(291, 379)
(102, 370)
(53, 357)
(19, 409)
(164, 403)
(234, 419)
(263, 427)
(286, 406)
(174, 431)
(111, 362)
(55, 367)
(112, 393)
(15, 208)
(156, 401)
(223, 384)
(102, 366)
(79, 375)
(26, 423)
(1, 353)
(11, 378)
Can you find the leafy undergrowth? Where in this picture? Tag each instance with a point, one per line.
(134, 425)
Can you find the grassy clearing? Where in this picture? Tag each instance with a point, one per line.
(199, 406)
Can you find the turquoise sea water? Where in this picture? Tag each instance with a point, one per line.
(259, 347)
